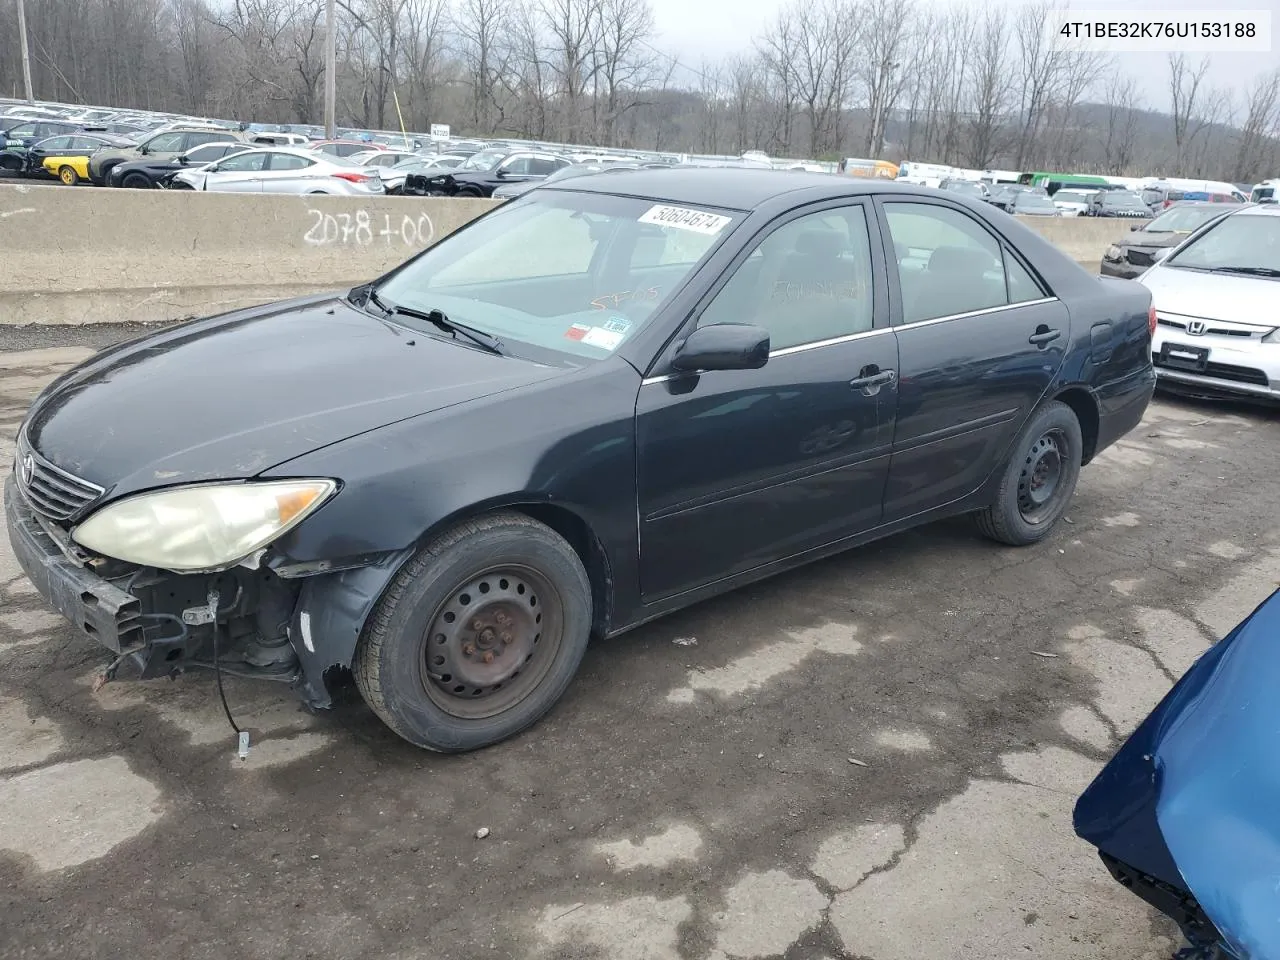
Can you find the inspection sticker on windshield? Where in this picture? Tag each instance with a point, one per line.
(595, 336)
(682, 218)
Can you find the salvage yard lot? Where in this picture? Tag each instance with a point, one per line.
(691, 799)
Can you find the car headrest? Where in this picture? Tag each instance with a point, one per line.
(960, 260)
(820, 242)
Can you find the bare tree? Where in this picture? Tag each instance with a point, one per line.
(1122, 106)
(622, 60)
(570, 26)
(483, 30)
(1184, 95)
(1257, 143)
(884, 39)
(990, 87)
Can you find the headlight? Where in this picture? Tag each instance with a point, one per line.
(1113, 253)
(200, 527)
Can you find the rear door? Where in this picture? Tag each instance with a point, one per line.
(980, 339)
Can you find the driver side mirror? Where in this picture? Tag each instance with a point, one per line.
(1136, 226)
(723, 346)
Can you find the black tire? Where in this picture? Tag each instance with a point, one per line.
(494, 565)
(137, 181)
(1038, 479)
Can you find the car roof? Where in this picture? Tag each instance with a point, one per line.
(1255, 210)
(735, 188)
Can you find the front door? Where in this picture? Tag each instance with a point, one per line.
(979, 341)
(741, 468)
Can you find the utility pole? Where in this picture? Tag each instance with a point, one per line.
(26, 53)
(330, 68)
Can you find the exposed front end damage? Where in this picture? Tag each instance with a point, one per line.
(274, 622)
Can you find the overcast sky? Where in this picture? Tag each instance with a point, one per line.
(710, 29)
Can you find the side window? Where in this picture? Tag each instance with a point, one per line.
(543, 166)
(808, 280)
(1022, 286)
(22, 130)
(206, 154)
(947, 262)
(287, 161)
(520, 166)
(165, 143)
(243, 163)
(58, 143)
(196, 139)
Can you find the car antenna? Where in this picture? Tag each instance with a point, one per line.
(242, 747)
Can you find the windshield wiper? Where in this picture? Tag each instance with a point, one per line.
(436, 317)
(1250, 271)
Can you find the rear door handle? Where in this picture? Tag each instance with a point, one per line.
(1044, 336)
(871, 378)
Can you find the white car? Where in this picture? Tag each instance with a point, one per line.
(393, 177)
(282, 170)
(381, 158)
(1217, 327)
(1071, 203)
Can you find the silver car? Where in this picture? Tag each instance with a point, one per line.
(282, 170)
(1217, 326)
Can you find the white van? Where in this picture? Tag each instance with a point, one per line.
(1264, 192)
(925, 174)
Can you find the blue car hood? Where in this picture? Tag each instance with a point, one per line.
(1193, 798)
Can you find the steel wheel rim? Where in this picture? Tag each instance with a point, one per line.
(1041, 479)
(492, 640)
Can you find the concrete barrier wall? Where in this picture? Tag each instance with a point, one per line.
(71, 256)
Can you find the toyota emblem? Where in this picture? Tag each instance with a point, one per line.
(1195, 328)
(26, 467)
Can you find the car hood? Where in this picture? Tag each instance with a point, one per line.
(231, 396)
(1193, 797)
(1213, 296)
(1153, 241)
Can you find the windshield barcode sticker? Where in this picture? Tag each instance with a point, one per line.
(682, 218)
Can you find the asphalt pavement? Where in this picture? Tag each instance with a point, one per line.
(873, 757)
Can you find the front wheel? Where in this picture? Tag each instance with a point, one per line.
(136, 181)
(68, 176)
(1039, 478)
(478, 636)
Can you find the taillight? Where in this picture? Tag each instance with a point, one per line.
(1151, 320)
(353, 177)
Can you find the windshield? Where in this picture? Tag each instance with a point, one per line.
(1123, 201)
(1182, 219)
(1034, 202)
(575, 273)
(1071, 196)
(482, 161)
(1250, 243)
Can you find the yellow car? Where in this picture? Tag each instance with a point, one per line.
(70, 170)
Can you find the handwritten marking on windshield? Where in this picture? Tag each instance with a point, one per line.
(362, 229)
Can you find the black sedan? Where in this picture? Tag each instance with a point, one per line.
(1146, 243)
(1117, 203)
(594, 405)
(480, 174)
(150, 173)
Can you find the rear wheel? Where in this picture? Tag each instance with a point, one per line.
(478, 636)
(136, 181)
(1038, 480)
(68, 176)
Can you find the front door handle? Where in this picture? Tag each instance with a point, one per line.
(1044, 336)
(871, 378)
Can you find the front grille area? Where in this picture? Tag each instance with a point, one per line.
(1141, 258)
(52, 492)
(1220, 331)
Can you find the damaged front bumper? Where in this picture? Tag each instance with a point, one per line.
(284, 628)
